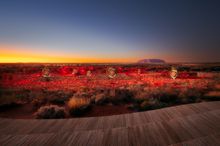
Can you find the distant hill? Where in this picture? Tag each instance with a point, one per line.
(152, 61)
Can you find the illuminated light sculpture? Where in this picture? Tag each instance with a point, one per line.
(75, 72)
(139, 71)
(89, 73)
(46, 73)
(173, 73)
(111, 72)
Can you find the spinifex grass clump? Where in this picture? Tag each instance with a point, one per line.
(150, 104)
(78, 106)
(59, 97)
(44, 97)
(39, 101)
(118, 96)
(50, 112)
(99, 98)
(10, 98)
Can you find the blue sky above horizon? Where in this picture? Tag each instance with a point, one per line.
(183, 30)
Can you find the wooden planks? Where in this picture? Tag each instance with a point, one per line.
(192, 124)
(211, 140)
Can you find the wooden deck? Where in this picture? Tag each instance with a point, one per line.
(192, 124)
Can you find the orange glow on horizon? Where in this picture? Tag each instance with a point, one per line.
(19, 55)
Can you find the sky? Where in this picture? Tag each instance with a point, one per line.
(103, 31)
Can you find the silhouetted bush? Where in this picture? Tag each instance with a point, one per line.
(13, 98)
(39, 101)
(118, 96)
(124, 95)
(151, 104)
(99, 98)
(140, 96)
(59, 97)
(50, 112)
(212, 96)
(168, 96)
(189, 95)
(78, 106)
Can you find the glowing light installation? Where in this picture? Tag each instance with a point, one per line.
(139, 71)
(75, 72)
(89, 73)
(111, 72)
(46, 73)
(173, 73)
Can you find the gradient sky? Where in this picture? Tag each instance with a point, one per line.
(109, 30)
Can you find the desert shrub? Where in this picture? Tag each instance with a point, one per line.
(23, 95)
(154, 98)
(168, 96)
(99, 98)
(59, 97)
(39, 101)
(148, 93)
(84, 92)
(46, 79)
(12, 98)
(41, 98)
(134, 107)
(57, 100)
(151, 104)
(8, 102)
(124, 95)
(140, 96)
(78, 106)
(212, 96)
(50, 112)
(137, 87)
(189, 95)
(117, 96)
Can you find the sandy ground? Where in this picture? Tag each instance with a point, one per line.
(27, 112)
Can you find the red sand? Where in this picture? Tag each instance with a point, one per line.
(26, 111)
(19, 112)
(107, 110)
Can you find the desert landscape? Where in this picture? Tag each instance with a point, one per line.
(109, 73)
(89, 90)
(109, 104)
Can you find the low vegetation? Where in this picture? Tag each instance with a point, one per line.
(77, 94)
(50, 112)
(78, 106)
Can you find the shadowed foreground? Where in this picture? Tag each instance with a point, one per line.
(192, 124)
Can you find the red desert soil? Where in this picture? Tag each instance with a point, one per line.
(107, 110)
(19, 112)
(26, 111)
